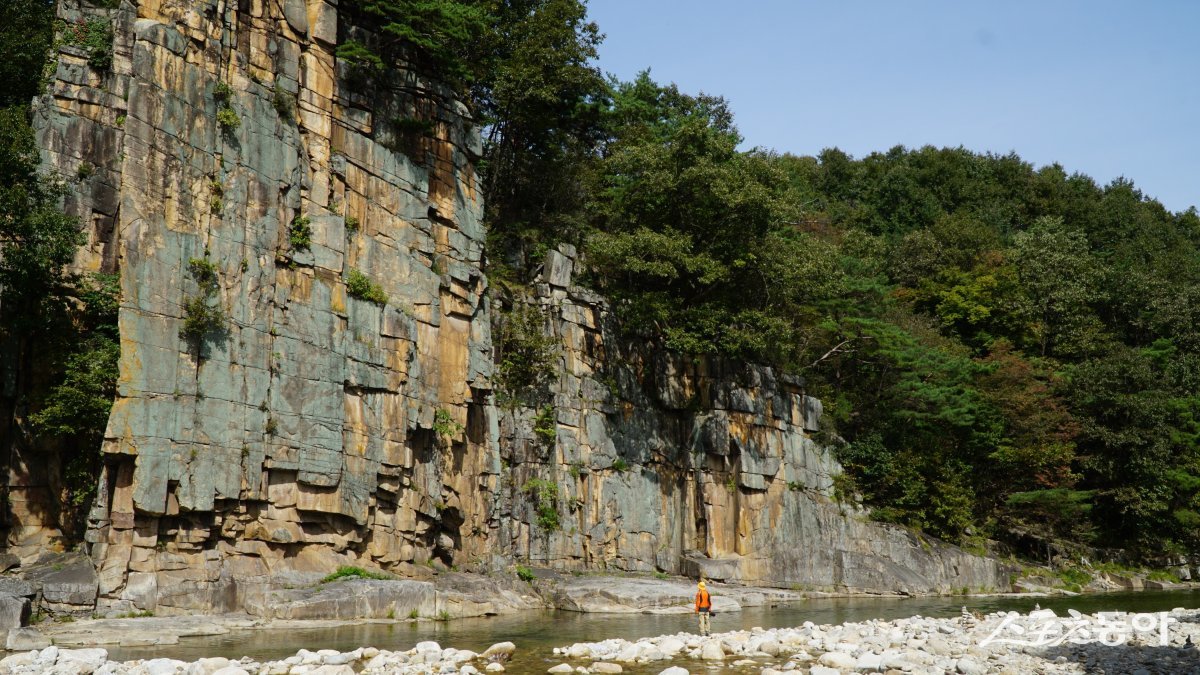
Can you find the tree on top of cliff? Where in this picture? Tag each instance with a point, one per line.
(525, 68)
(539, 99)
(433, 35)
(26, 35)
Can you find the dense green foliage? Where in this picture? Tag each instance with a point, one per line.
(95, 37)
(58, 331)
(25, 38)
(525, 356)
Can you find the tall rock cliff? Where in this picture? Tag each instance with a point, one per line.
(235, 171)
(276, 418)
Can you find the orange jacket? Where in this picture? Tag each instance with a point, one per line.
(703, 601)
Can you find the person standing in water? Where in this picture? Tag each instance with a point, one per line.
(703, 607)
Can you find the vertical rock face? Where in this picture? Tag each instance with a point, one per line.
(237, 171)
(275, 418)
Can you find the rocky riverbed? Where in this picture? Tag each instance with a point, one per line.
(1001, 642)
(426, 657)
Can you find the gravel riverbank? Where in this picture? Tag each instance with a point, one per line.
(1001, 642)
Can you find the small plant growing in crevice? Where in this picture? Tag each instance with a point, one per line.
(216, 205)
(284, 104)
(84, 170)
(94, 36)
(731, 484)
(414, 615)
(360, 286)
(844, 487)
(525, 355)
(443, 615)
(351, 224)
(444, 424)
(545, 425)
(545, 502)
(227, 117)
(203, 317)
(300, 232)
(223, 93)
(524, 573)
(620, 465)
(412, 126)
(349, 572)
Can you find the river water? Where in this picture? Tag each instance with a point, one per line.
(537, 633)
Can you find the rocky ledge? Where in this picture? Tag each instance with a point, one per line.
(655, 596)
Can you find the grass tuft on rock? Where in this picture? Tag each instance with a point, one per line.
(350, 572)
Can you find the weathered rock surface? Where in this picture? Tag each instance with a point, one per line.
(301, 434)
(140, 632)
(654, 596)
(21, 639)
(456, 596)
(314, 428)
(67, 584)
(14, 612)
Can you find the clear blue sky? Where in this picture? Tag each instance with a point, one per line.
(1104, 88)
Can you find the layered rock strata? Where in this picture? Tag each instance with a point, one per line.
(307, 360)
(234, 169)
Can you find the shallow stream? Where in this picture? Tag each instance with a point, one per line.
(537, 633)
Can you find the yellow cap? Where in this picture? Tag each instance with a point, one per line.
(701, 585)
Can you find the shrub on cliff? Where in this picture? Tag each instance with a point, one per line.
(526, 357)
(359, 285)
(203, 317)
(545, 503)
(94, 36)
